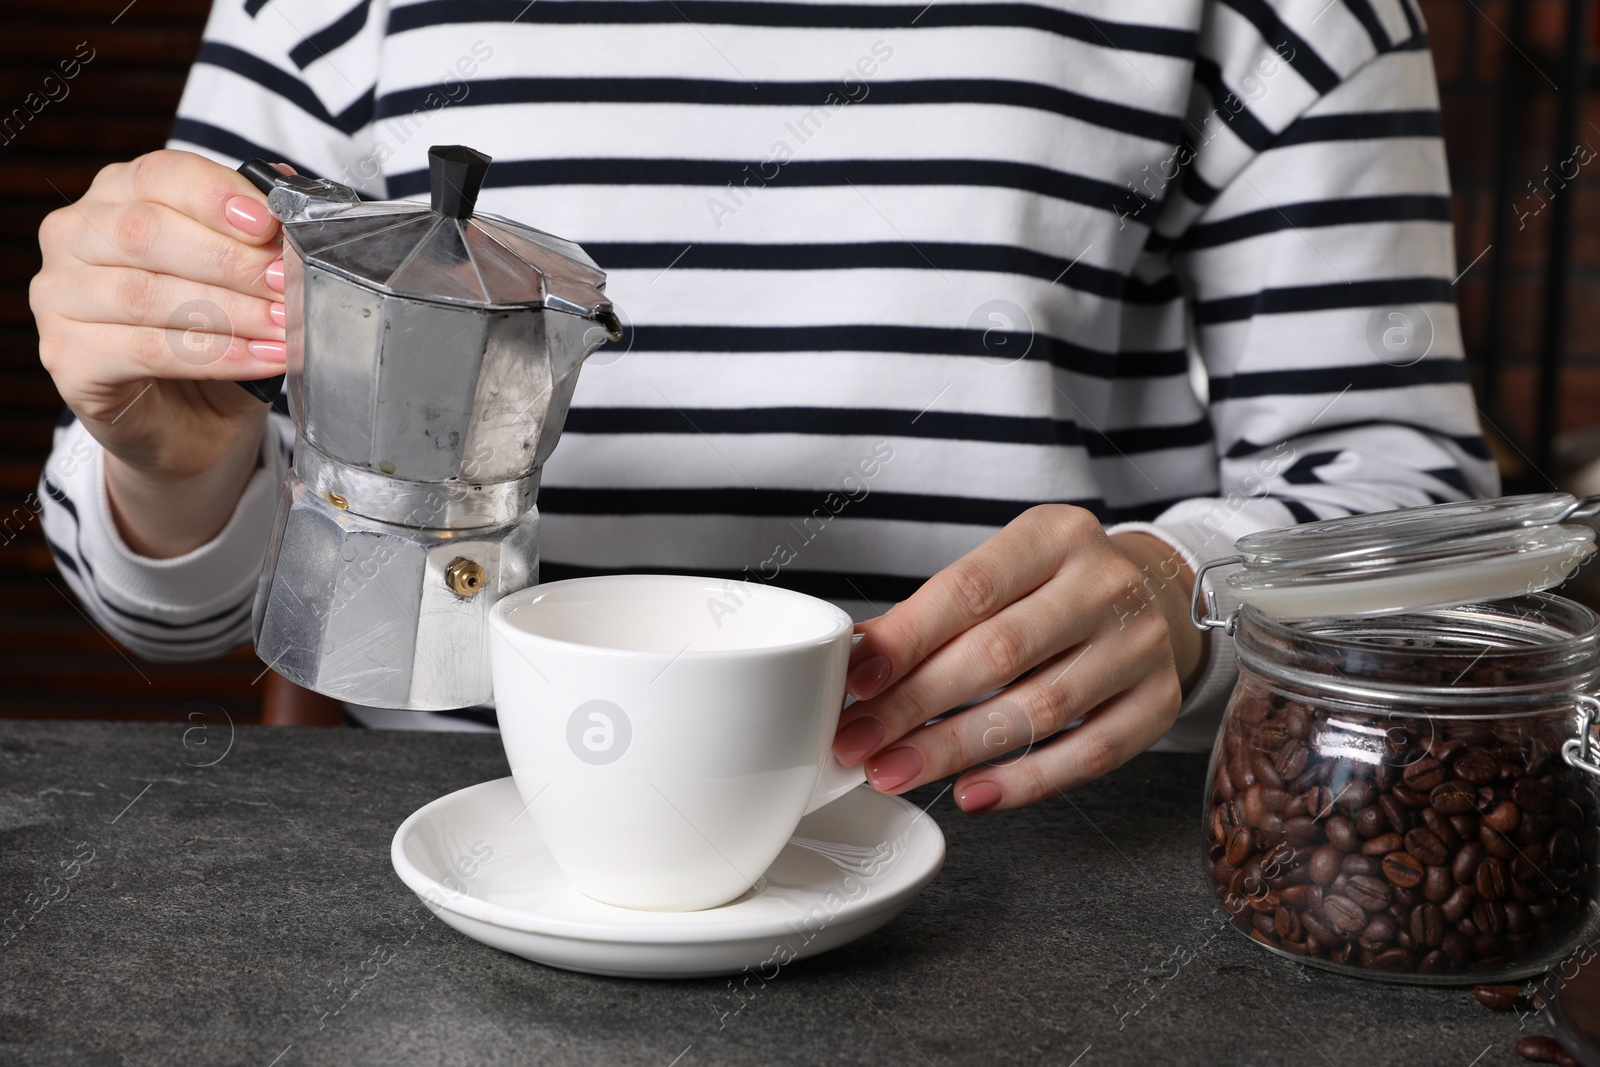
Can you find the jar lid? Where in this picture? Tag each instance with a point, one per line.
(1409, 559)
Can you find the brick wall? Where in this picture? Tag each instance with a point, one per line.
(1471, 53)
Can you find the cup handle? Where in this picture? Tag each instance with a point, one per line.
(834, 781)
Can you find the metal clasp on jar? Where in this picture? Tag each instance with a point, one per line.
(1577, 752)
(1209, 619)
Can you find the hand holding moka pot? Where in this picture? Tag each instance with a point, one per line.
(432, 354)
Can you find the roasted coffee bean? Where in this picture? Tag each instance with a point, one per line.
(1465, 864)
(1518, 921)
(1302, 830)
(1370, 892)
(1435, 962)
(1262, 921)
(1499, 997)
(1286, 924)
(1437, 884)
(1540, 1049)
(1489, 916)
(1459, 903)
(1491, 879)
(1457, 949)
(1496, 843)
(1359, 793)
(1241, 845)
(1382, 844)
(1370, 822)
(1266, 769)
(1424, 774)
(1465, 826)
(1409, 798)
(1325, 864)
(1263, 803)
(1440, 825)
(1319, 801)
(1297, 718)
(1427, 925)
(1403, 869)
(1476, 766)
(1303, 896)
(1454, 798)
(1424, 844)
(1391, 959)
(1504, 816)
(1395, 811)
(1341, 833)
(1564, 849)
(1317, 929)
(1379, 933)
(1533, 794)
(1344, 915)
(1568, 813)
(1355, 863)
(1292, 758)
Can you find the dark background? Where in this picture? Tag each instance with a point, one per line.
(54, 662)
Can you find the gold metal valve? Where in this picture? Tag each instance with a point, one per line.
(465, 577)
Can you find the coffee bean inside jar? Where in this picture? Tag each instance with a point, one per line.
(1389, 795)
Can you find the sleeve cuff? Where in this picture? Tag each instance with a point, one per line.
(1201, 712)
(212, 577)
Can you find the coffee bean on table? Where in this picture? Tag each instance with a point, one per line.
(1541, 1049)
(1499, 997)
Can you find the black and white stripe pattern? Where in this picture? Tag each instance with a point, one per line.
(896, 272)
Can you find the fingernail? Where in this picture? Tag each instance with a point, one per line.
(277, 314)
(868, 676)
(247, 215)
(268, 351)
(854, 741)
(979, 796)
(275, 276)
(894, 768)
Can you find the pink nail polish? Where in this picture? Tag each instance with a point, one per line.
(868, 676)
(277, 314)
(268, 351)
(247, 215)
(894, 768)
(854, 741)
(275, 276)
(979, 796)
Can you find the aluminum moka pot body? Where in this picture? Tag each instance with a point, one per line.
(432, 355)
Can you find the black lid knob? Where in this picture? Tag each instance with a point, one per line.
(455, 174)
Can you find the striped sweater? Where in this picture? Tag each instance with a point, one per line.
(891, 273)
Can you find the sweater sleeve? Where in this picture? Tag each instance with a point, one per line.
(1308, 219)
(189, 607)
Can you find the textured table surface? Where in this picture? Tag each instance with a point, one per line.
(244, 912)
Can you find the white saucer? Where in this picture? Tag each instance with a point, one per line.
(849, 868)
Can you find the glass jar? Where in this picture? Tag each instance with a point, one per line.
(1403, 796)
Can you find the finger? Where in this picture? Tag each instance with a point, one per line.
(217, 197)
(135, 297)
(1009, 565)
(157, 238)
(989, 655)
(1116, 732)
(1057, 694)
(111, 354)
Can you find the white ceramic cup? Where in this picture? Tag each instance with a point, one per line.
(667, 733)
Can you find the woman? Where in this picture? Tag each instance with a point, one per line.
(1007, 313)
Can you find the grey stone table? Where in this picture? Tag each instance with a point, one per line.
(222, 895)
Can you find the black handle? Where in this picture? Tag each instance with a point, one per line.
(455, 175)
(263, 176)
